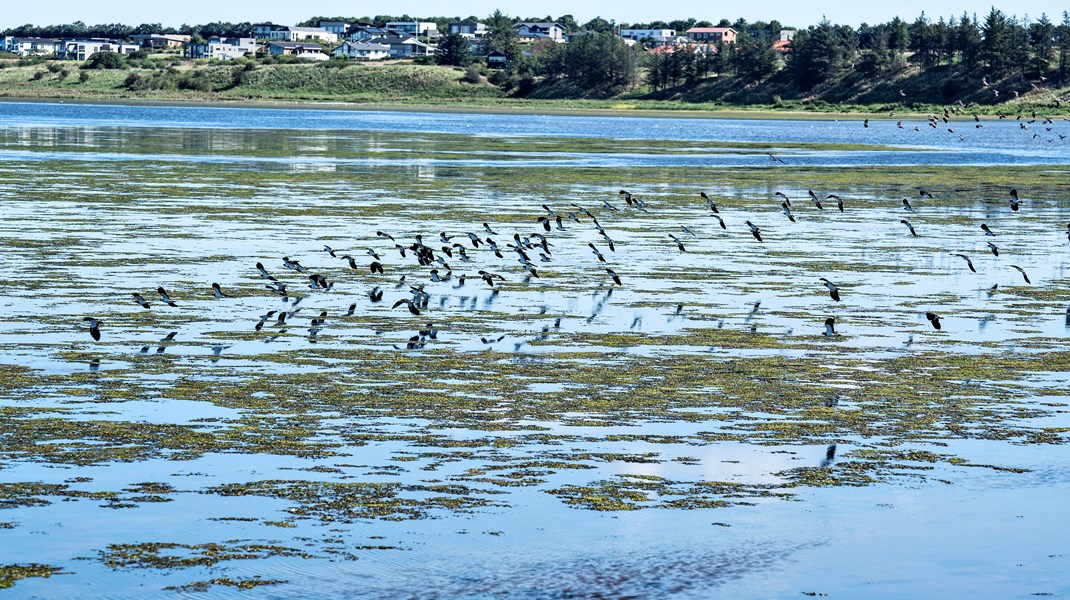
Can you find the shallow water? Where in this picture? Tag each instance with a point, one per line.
(687, 433)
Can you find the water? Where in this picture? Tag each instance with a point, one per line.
(688, 433)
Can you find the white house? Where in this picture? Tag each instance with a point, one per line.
(469, 29)
(402, 45)
(417, 28)
(301, 50)
(642, 34)
(29, 46)
(270, 31)
(363, 51)
(536, 31)
(83, 49)
(225, 49)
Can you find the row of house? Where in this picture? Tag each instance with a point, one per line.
(64, 49)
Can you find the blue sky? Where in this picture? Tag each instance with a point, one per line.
(791, 12)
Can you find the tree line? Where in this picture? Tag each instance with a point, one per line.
(997, 47)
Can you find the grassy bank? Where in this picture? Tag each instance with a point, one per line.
(407, 85)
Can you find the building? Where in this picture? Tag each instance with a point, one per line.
(338, 28)
(497, 60)
(712, 35)
(222, 49)
(285, 33)
(529, 31)
(787, 35)
(659, 41)
(417, 28)
(83, 49)
(640, 35)
(360, 33)
(160, 40)
(362, 51)
(263, 31)
(469, 29)
(304, 50)
(402, 46)
(30, 46)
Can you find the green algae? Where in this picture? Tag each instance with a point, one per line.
(9, 574)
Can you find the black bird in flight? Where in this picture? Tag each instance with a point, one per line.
(94, 327)
(163, 296)
(834, 291)
(934, 319)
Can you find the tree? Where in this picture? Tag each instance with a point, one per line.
(1042, 41)
(995, 42)
(453, 49)
(754, 59)
(1063, 40)
(502, 37)
(600, 25)
(600, 63)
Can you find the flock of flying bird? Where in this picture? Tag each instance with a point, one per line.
(522, 249)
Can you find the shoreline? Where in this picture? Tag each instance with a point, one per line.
(666, 113)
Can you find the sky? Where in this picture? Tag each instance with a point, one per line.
(788, 12)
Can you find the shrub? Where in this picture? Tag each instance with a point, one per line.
(83, 76)
(471, 74)
(106, 60)
(38, 75)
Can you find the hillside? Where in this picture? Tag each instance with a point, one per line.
(408, 84)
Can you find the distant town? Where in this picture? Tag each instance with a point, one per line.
(989, 60)
(366, 41)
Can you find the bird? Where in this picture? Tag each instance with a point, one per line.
(834, 290)
(486, 227)
(376, 294)
(94, 327)
(384, 235)
(909, 226)
(597, 253)
(815, 199)
(934, 319)
(986, 229)
(784, 196)
(140, 300)
(490, 277)
(839, 201)
(755, 231)
(163, 296)
(263, 272)
(830, 327)
(679, 244)
(720, 222)
(969, 263)
(993, 248)
(709, 202)
(787, 211)
(1014, 200)
(412, 305)
(330, 251)
(613, 274)
(775, 158)
(687, 230)
(377, 267)
(865, 123)
(907, 206)
(217, 291)
(545, 223)
(1022, 271)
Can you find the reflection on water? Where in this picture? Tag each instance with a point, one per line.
(556, 435)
